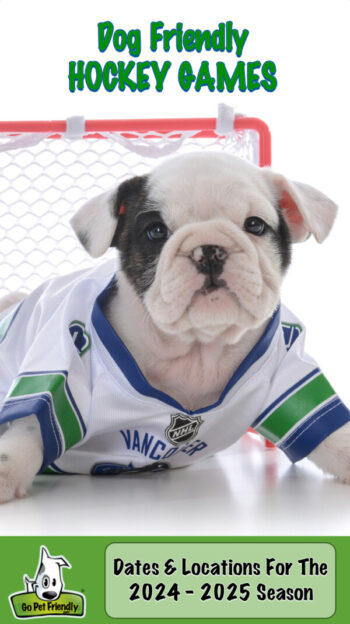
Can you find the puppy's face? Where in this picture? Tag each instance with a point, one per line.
(205, 240)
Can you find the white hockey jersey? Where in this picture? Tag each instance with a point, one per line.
(61, 360)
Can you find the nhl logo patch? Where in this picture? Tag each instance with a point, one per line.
(182, 428)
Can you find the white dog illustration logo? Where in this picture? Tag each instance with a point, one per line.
(48, 582)
(46, 595)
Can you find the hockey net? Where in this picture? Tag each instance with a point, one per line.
(48, 170)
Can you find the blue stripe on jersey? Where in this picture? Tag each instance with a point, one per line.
(313, 430)
(283, 396)
(42, 408)
(125, 361)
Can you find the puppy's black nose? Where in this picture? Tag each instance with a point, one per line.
(209, 259)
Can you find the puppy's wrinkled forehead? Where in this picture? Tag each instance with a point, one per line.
(198, 187)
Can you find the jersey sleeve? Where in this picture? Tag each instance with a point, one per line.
(302, 407)
(44, 371)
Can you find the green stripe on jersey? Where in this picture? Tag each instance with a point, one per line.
(295, 408)
(54, 384)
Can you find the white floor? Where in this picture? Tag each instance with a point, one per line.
(245, 490)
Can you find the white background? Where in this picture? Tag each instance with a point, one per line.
(308, 113)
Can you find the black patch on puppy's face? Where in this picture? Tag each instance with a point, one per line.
(139, 217)
(284, 241)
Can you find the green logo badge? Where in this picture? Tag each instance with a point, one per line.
(44, 595)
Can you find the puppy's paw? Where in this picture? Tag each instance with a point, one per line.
(333, 454)
(11, 484)
(21, 456)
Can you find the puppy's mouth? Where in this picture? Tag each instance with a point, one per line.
(211, 284)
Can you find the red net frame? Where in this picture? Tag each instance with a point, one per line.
(94, 128)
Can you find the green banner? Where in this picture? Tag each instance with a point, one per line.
(29, 605)
(180, 579)
(271, 580)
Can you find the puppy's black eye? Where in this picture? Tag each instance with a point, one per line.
(46, 581)
(255, 225)
(157, 232)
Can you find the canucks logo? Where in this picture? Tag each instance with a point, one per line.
(116, 469)
(44, 595)
(182, 428)
(80, 336)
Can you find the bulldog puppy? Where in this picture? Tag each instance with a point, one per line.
(204, 242)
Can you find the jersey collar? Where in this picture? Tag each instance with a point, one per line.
(128, 365)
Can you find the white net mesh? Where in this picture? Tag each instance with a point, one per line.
(43, 184)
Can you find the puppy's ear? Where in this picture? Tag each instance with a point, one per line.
(306, 210)
(95, 223)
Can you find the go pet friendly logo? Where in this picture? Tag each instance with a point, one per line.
(44, 595)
